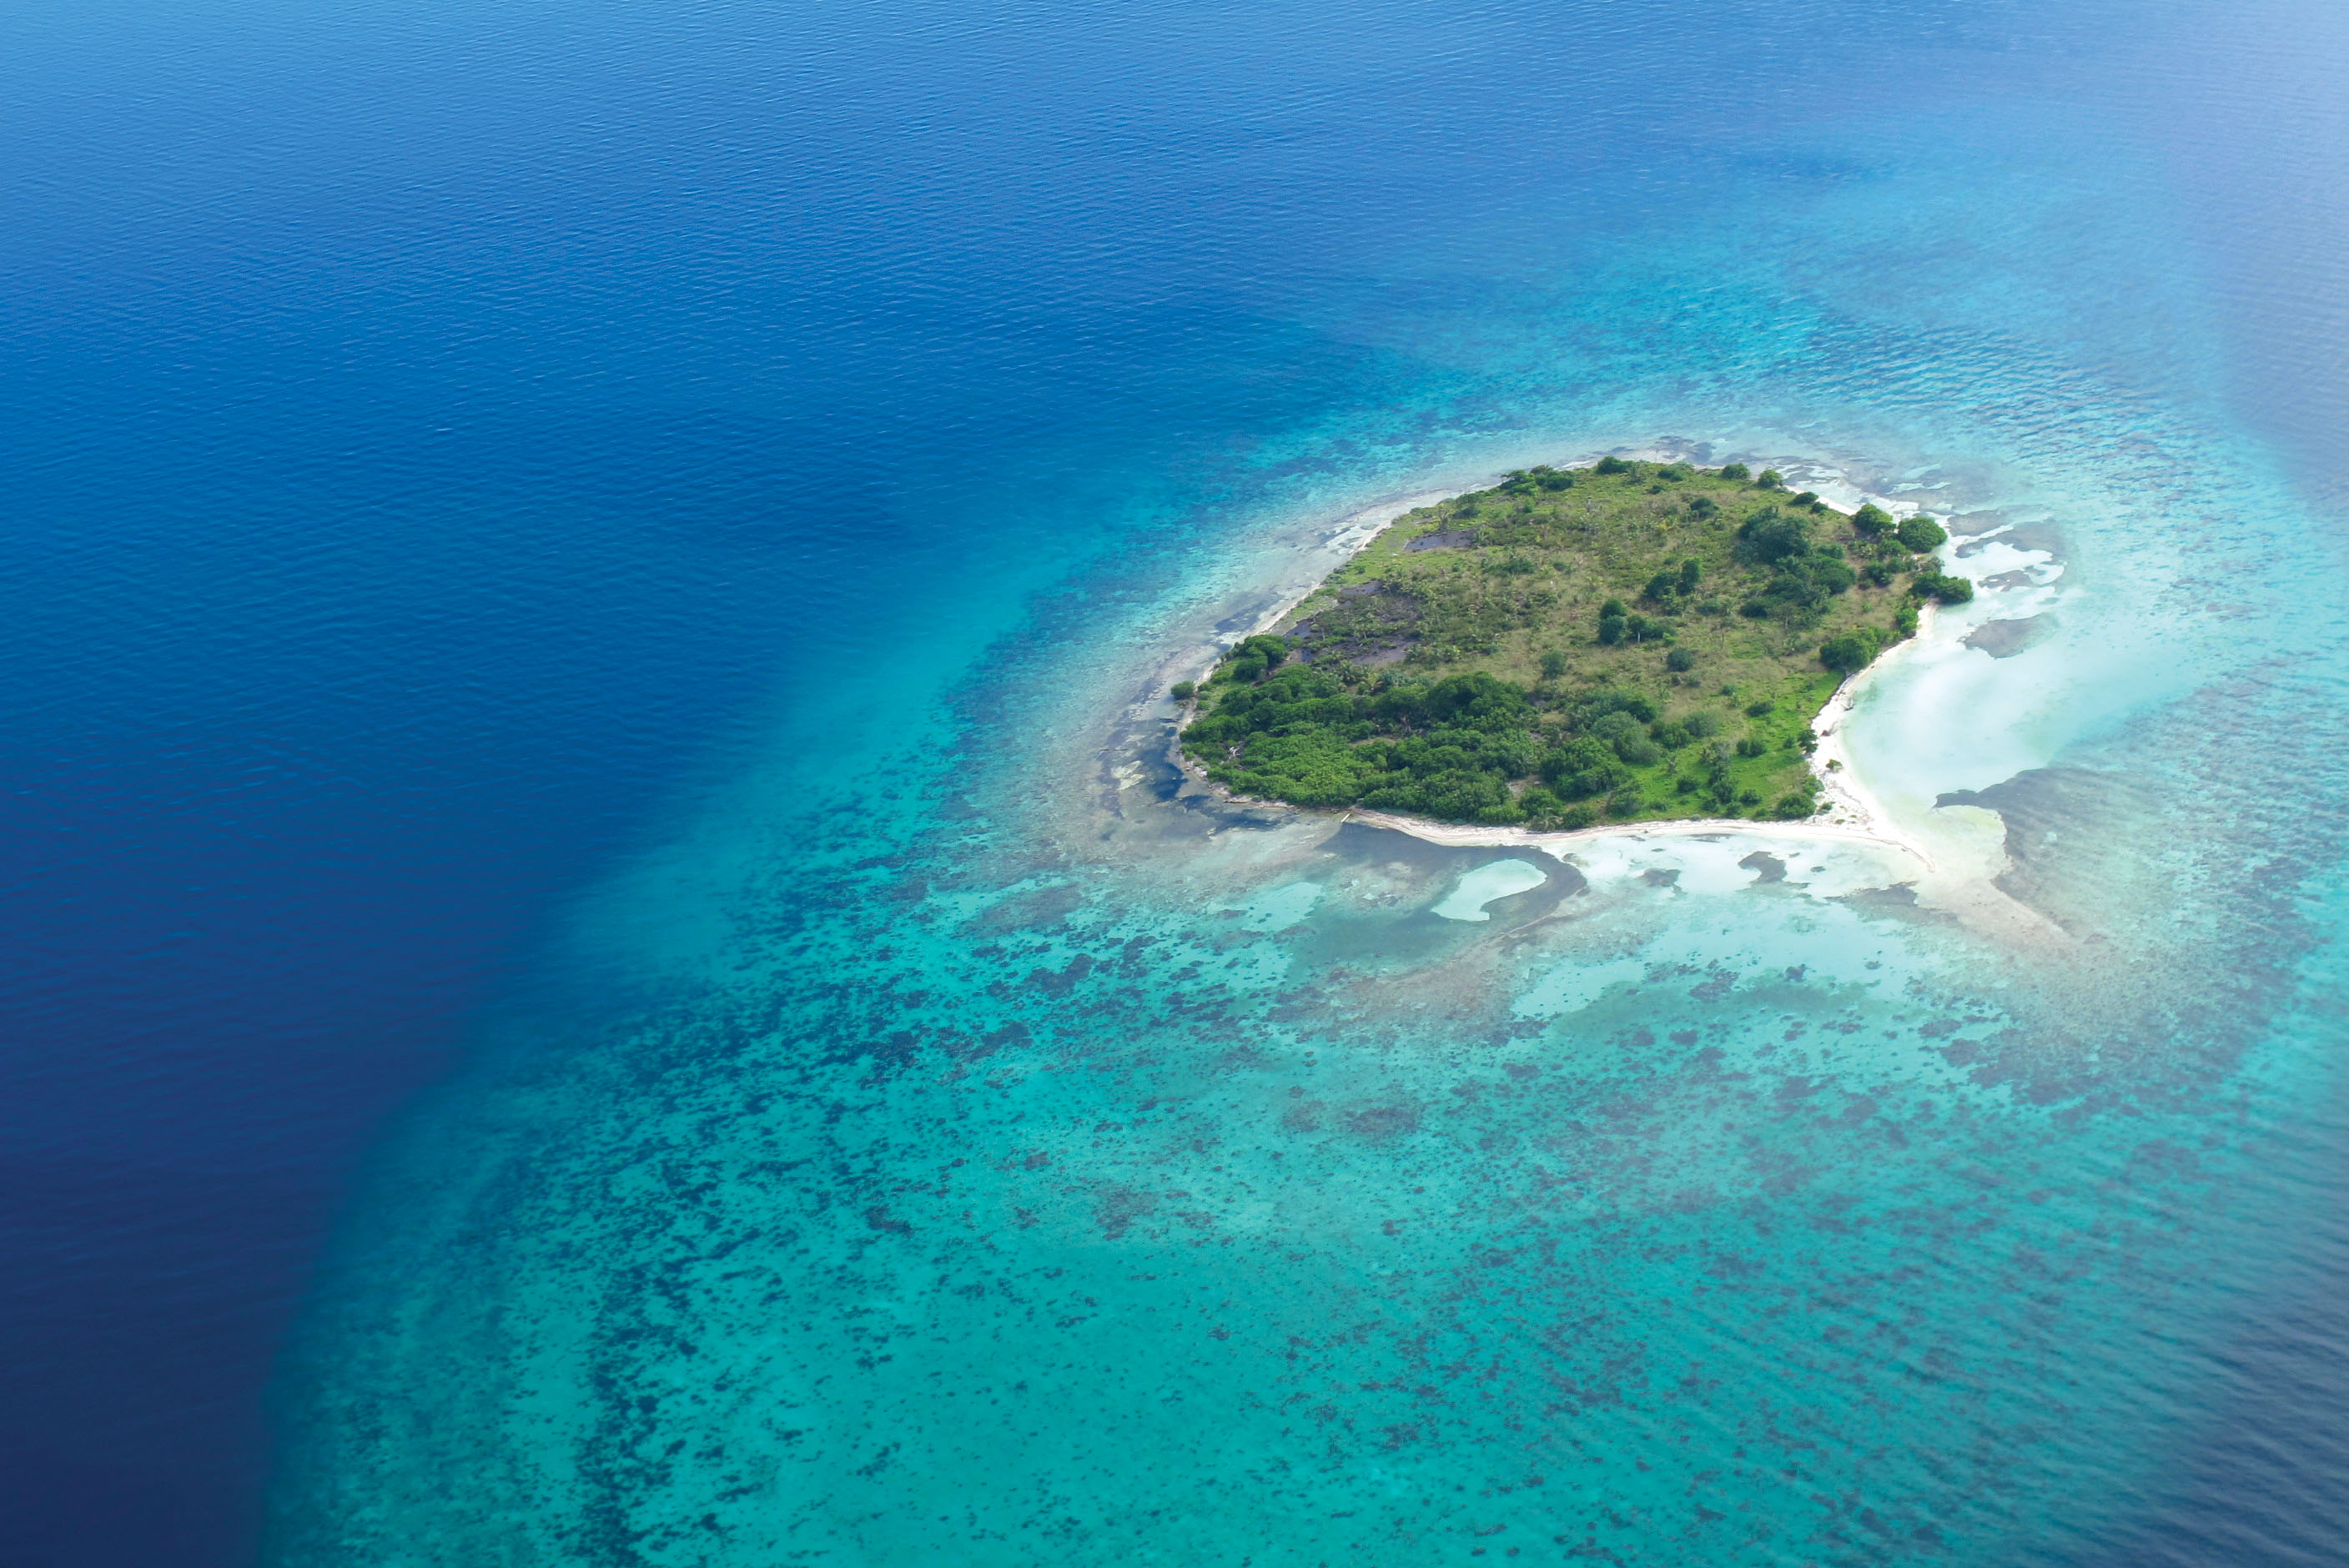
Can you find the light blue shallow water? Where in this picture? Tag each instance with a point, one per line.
(758, 461)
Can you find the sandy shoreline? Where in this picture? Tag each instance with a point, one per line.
(1466, 835)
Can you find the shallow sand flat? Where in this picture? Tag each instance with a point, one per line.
(1488, 884)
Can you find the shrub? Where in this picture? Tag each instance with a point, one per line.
(1770, 535)
(1599, 704)
(1264, 645)
(1922, 534)
(1575, 818)
(1792, 807)
(1185, 691)
(1904, 622)
(1582, 767)
(1851, 652)
(1770, 478)
(1735, 472)
(1611, 465)
(1612, 607)
(1703, 724)
(1680, 660)
(1612, 629)
(1808, 498)
(1756, 710)
(1948, 590)
(1622, 734)
(1749, 747)
(1870, 521)
(1246, 672)
(1553, 664)
(1692, 573)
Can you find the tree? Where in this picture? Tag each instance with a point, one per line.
(1680, 660)
(1612, 629)
(1692, 573)
(1770, 478)
(1184, 691)
(1612, 464)
(1870, 521)
(1922, 534)
(1659, 587)
(1735, 472)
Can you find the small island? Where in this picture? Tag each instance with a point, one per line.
(1629, 642)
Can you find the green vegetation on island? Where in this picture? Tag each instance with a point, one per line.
(1629, 642)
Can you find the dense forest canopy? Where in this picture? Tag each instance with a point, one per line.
(1633, 641)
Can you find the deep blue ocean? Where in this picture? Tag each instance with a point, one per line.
(586, 980)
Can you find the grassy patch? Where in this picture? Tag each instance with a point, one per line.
(1636, 642)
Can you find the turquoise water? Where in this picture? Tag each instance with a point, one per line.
(944, 1142)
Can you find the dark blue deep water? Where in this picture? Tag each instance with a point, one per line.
(544, 545)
